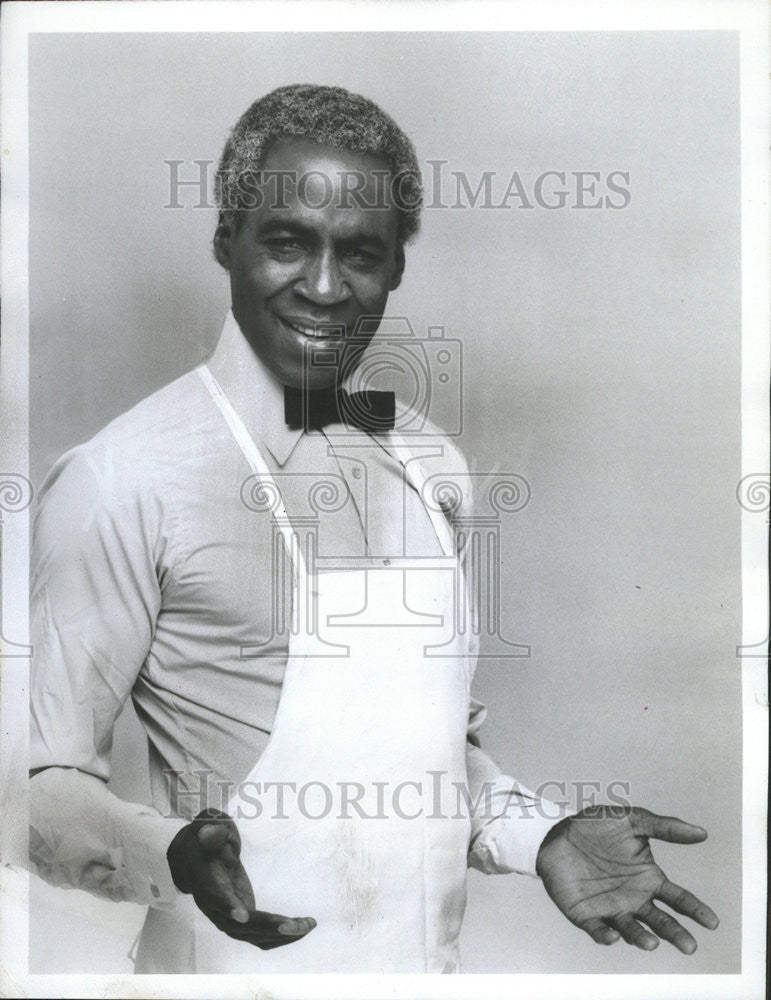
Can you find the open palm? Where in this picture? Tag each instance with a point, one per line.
(599, 869)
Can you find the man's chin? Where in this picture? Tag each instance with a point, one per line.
(310, 377)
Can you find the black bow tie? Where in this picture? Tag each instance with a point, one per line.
(366, 411)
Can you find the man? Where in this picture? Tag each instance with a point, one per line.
(274, 647)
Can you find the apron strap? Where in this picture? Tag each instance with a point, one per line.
(416, 475)
(258, 466)
(412, 468)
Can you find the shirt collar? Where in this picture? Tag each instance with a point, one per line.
(255, 392)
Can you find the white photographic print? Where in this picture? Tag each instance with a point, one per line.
(384, 500)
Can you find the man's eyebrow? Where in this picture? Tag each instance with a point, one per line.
(271, 226)
(291, 227)
(369, 240)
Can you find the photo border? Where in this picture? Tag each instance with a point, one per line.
(19, 20)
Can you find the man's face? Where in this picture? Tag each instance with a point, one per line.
(302, 276)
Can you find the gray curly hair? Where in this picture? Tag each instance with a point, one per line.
(330, 115)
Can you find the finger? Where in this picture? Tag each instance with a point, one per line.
(260, 923)
(296, 927)
(212, 837)
(633, 932)
(262, 942)
(281, 942)
(210, 813)
(264, 930)
(217, 892)
(260, 939)
(234, 837)
(599, 931)
(288, 926)
(229, 856)
(676, 831)
(686, 903)
(220, 839)
(221, 820)
(668, 928)
(242, 886)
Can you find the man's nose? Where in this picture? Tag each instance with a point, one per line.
(322, 281)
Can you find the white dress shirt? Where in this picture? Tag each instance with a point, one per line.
(156, 575)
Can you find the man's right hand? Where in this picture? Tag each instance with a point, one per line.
(204, 859)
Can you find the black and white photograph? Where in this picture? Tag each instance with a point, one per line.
(384, 500)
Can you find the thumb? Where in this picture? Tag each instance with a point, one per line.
(670, 828)
(212, 837)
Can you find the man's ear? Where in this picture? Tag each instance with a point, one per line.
(396, 278)
(221, 245)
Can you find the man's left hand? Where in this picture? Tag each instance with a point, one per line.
(598, 868)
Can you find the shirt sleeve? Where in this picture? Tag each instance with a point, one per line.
(508, 821)
(84, 837)
(95, 598)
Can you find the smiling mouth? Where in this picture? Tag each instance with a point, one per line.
(318, 331)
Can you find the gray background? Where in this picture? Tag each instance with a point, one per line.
(601, 362)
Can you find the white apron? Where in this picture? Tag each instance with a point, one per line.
(367, 840)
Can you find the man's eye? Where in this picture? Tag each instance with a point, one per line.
(363, 258)
(286, 245)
